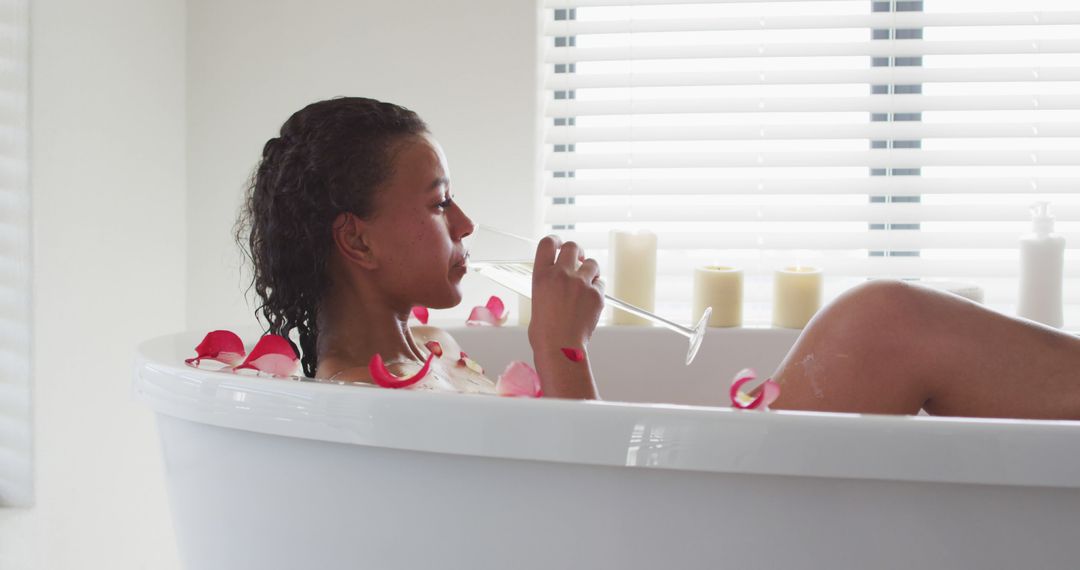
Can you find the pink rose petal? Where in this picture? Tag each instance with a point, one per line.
(434, 348)
(519, 379)
(469, 363)
(273, 354)
(769, 392)
(421, 314)
(493, 314)
(574, 354)
(482, 317)
(276, 364)
(497, 308)
(383, 377)
(222, 346)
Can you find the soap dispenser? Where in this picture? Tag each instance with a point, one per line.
(1042, 260)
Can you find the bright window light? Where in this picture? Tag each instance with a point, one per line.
(874, 138)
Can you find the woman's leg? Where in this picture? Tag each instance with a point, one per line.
(892, 348)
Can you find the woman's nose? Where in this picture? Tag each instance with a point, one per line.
(463, 225)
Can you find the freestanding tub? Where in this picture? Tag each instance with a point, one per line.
(279, 474)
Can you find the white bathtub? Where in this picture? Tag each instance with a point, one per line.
(277, 474)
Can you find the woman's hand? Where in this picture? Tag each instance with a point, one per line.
(568, 296)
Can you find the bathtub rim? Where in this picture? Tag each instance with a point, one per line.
(1033, 453)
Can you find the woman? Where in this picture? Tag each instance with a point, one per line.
(350, 222)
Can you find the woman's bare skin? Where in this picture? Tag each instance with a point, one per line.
(889, 347)
(411, 253)
(446, 374)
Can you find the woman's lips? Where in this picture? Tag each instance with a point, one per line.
(462, 262)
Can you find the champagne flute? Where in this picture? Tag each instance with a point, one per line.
(516, 275)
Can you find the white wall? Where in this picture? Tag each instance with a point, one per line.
(107, 175)
(468, 67)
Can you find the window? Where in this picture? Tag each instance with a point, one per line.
(15, 450)
(873, 138)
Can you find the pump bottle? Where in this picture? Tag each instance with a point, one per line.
(1042, 259)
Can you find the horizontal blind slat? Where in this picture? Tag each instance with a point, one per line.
(837, 268)
(593, 3)
(871, 75)
(566, 187)
(757, 288)
(810, 22)
(679, 264)
(879, 48)
(795, 104)
(870, 213)
(880, 158)
(866, 240)
(772, 131)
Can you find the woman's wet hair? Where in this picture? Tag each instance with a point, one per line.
(330, 157)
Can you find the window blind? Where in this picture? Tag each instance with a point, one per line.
(15, 441)
(873, 138)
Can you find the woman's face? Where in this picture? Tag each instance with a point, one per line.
(417, 229)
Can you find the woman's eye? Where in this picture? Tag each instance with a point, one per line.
(446, 203)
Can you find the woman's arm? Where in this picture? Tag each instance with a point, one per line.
(568, 297)
(563, 378)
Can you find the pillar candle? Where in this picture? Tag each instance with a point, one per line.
(796, 296)
(524, 310)
(633, 273)
(722, 289)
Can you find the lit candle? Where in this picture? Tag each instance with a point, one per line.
(633, 273)
(722, 289)
(796, 296)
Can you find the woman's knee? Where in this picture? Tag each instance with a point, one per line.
(874, 309)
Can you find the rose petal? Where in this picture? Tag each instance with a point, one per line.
(497, 308)
(519, 379)
(421, 314)
(574, 354)
(770, 391)
(434, 348)
(482, 317)
(384, 378)
(474, 366)
(493, 314)
(222, 346)
(469, 363)
(273, 354)
(276, 364)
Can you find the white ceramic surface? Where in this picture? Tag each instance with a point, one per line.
(273, 473)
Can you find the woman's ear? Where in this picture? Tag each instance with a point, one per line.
(350, 239)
